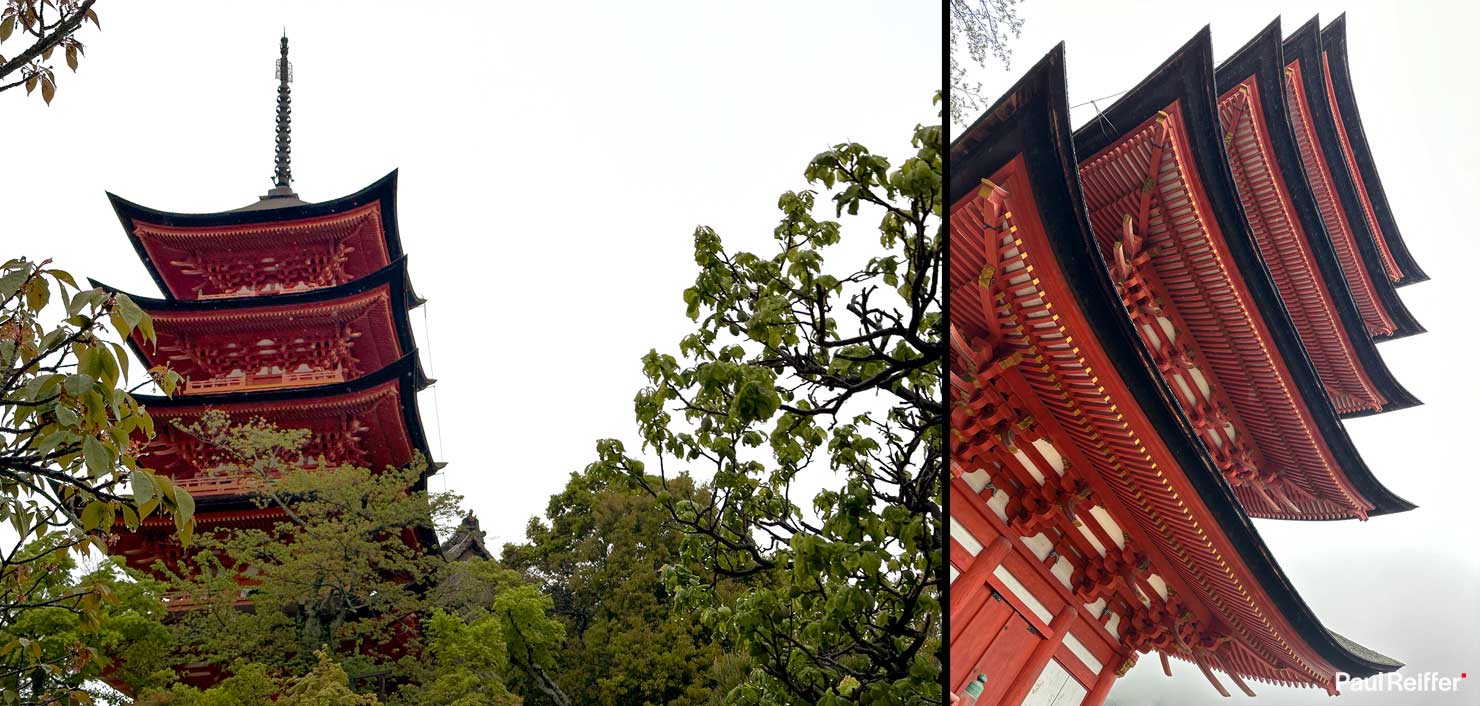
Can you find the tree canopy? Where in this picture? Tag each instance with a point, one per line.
(797, 372)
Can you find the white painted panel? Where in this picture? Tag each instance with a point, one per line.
(1064, 570)
(1102, 515)
(976, 479)
(960, 534)
(1092, 539)
(1158, 584)
(1054, 687)
(1033, 469)
(1083, 653)
(1113, 624)
(998, 503)
(1050, 454)
(1016, 588)
(954, 574)
(1096, 608)
(1039, 544)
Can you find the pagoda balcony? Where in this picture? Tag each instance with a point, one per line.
(218, 485)
(232, 383)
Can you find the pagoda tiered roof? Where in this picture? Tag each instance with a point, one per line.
(370, 421)
(1169, 223)
(1396, 259)
(1338, 197)
(307, 338)
(1286, 223)
(1111, 520)
(269, 251)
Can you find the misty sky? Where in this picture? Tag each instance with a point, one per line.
(1406, 585)
(555, 159)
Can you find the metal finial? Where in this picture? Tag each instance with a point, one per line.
(283, 175)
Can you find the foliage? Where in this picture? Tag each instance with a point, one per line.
(985, 27)
(337, 574)
(326, 684)
(69, 436)
(48, 25)
(598, 555)
(796, 376)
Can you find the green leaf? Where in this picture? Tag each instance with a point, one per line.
(77, 384)
(184, 507)
(143, 484)
(98, 457)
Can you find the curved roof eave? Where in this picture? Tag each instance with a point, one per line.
(1263, 58)
(1187, 76)
(395, 275)
(1333, 39)
(1305, 44)
(382, 190)
(1038, 105)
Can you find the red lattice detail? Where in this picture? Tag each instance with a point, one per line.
(1089, 427)
(1143, 182)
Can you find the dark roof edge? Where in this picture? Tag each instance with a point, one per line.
(1263, 58)
(382, 190)
(1187, 78)
(407, 371)
(1032, 119)
(394, 275)
(1305, 44)
(1333, 40)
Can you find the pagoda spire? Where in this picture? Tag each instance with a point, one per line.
(282, 178)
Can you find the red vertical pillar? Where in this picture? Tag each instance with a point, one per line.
(973, 583)
(1039, 659)
(1101, 689)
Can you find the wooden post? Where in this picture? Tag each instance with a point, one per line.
(1041, 654)
(1101, 689)
(973, 583)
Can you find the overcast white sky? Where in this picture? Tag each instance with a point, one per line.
(1405, 585)
(555, 159)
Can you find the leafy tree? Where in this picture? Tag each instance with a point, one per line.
(338, 574)
(251, 684)
(984, 27)
(796, 376)
(69, 437)
(598, 555)
(46, 25)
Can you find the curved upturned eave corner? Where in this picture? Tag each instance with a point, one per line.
(1263, 58)
(1187, 77)
(1333, 40)
(382, 190)
(1305, 44)
(1032, 119)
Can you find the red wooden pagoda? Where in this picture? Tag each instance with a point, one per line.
(1153, 339)
(288, 311)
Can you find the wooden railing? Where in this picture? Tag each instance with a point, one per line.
(262, 382)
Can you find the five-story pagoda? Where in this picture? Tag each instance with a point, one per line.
(288, 311)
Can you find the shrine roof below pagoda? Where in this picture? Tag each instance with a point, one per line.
(266, 252)
(1030, 124)
(1294, 240)
(317, 336)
